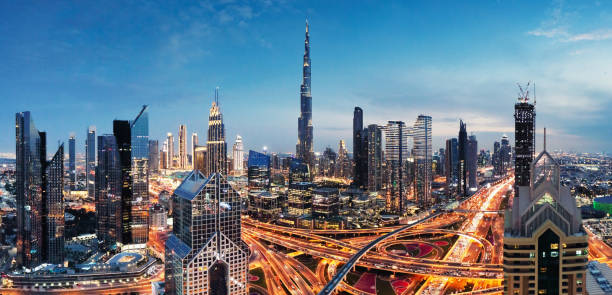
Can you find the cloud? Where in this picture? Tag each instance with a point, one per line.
(598, 35)
(558, 23)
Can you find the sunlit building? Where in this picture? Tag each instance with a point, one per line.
(216, 145)
(182, 145)
(200, 159)
(205, 253)
(238, 156)
(545, 245)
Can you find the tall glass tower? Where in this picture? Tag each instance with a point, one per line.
(108, 191)
(90, 161)
(72, 161)
(360, 152)
(53, 230)
(182, 141)
(123, 137)
(374, 157)
(396, 153)
(304, 147)
(139, 129)
(422, 154)
(462, 187)
(524, 139)
(216, 145)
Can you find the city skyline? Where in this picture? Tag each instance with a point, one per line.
(433, 75)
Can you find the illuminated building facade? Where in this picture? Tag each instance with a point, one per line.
(169, 151)
(182, 145)
(524, 139)
(545, 245)
(90, 161)
(375, 157)
(216, 145)
(72, 162)
(200, 159)
(298, 171)
(343, 163)
(238, 156)
(304, 147)
(258, 171)
(396, 153)
(139, 134)
(472, 163)
(462, 181)
(451, 164)
(108, 192)
(54, 225)
(299, 203)
(422, 154)
(325, 208)
(205, 253)
(263, 205)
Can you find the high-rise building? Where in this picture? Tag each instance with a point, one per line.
(327, 162)
(139, 131)
(238, 156)
(209, 258)
(375, 157)
(194, 143)
(524, 139)
(154, 156)
(298, 171)
(39, 196)
(71, 162)
(506, 152)
(163, 156)
(170, 151)
(496, 158)
(216, 145)
(108, 192)
(90, 161)
(472, 162)
(545, 245)
(396, 153)
(53, 229)
(422, 154)
(451, 165)
(182, 141)
(123, 138)
(258, 171)
(462, 185)
(304, 147)
(200, 159)
(360, 152)
(343, 163)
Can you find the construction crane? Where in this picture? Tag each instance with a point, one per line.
(523, 92)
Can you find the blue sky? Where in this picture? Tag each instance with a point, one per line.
(74, 64)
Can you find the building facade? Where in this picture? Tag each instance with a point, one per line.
(216, 145)
(375, 157)
(422, 154)
(524, 139)
(396, 153)
(139, 136)
(108, 192)
(238, 156)
(304, 147)
(90, 161)
(72, 162)
(182, 145)
(360, 151)
(462, 148)
(258, 172)
(154, 156)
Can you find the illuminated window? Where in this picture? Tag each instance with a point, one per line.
(554, 254)
(578, 252)
(554, 246)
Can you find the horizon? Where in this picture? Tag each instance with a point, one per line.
(72, 71)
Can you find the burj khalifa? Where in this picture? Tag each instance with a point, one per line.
(304, 147)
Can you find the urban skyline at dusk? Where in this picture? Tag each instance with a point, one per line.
(434, 62)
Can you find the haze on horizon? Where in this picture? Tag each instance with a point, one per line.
(74, 65)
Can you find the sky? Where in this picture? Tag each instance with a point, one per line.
(74, 64)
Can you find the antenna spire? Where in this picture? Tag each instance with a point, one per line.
(544, 138)
(217, 95)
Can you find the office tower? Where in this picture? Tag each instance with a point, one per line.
(108, 192)
(325, 208)
(299, 204)
(422, 155)
(258, 171)
(139, 220)
(374, 157)
(451, 164)
(343, 163)
(39, 196)
(545, 245)
(298, 171)
(304, 147)
(209, 258)
(238, 156)
(327, 162)
(396, 153)
(524, 139)
(163, 156)
(182, 141)
(123, 138)
(506, 152)
(472, 162)
(194, 143)
(360, 152)
(53, 196)
(441, 162)
(154, 156)
(200, 159)
(496, 159)
(170, 151)
(71, 162)
(90, 161)
(216, 145)
(462, 185)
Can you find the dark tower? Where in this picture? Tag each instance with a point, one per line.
(304, 147)
(360, 152)
(524, 138)
(123, 137)
(462, 161)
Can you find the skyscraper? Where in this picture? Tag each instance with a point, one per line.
(462, 185)
(123, 138)
(71, 162)
(472, 162)
(396, 153)
(451, 165)
(422, 154)
(209, 258)
(375, 157)
(194, 143)
(216, 145)
(53, 229)
(343, 164)
(258, 171)
(200, 159)
(139, 222)
(524, 139)
(108, 192)
(304, 147)
(90, 161)
(545, 245)
(238, 155)
(154, 156)
(506, 152)
(182, 140)
(170, 151)
(360, 155)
